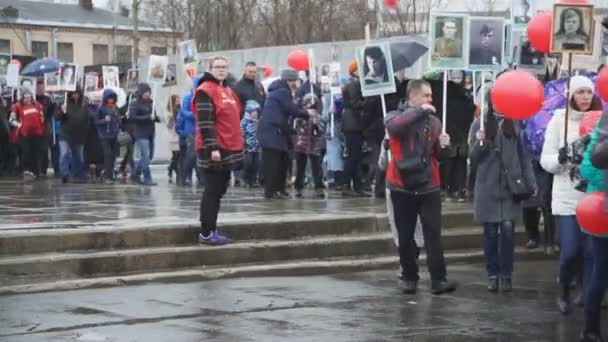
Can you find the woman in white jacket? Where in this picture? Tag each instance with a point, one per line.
(556, 158)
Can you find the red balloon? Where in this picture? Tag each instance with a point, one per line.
(539, 32)
(19, 65)
(298, 60)
(267, 70)
(591, 214)
(602, 83)
(517, 94)
(573, 2)
(589, 122)
(390, 4)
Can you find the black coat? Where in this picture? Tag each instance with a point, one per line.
(247, 90)
(140, 114)
(75, 122)
(373, 118)
(460, 112)
(352, 114)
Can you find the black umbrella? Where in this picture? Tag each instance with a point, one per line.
(405, 54)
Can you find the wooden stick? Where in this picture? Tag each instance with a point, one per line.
(444, 113)
(567, 99)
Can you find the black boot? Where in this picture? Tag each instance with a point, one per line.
(506, 284)
(563, 301)
(493, 284)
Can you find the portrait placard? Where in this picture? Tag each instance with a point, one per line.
(157, 69)
(572, 29)
(486, 37)
(522, 12)
(91, 82)
(68, 77)
(132, 79)
(449, 41)
(375, 65)
(51, 81)
(110, 76)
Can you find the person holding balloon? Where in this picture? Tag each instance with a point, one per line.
(556, 158)
(497, 153)
(593, 170)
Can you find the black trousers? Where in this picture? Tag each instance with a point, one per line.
(317, 172)
(531, 218)
(454, 174)
(406, 209)
(354, 158)
(275, 170)
(34, 154)
(110, 151)
(217, 185)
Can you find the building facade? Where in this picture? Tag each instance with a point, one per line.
(77, 33)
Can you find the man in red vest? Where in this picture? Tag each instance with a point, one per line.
(219, 143)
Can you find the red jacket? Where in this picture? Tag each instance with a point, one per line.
(403, 128)
(31, 118)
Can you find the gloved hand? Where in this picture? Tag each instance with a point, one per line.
(562, 157)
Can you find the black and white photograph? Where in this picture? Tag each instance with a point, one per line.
(170, 77)
(572, 29)
(110, 75)
(5, 60)
(508, 52)
(528, 57)
(188, 51)
(68, 77)
(27, 83)
(486, 43)
(132, 79)
(376, 70)
(51, 81)
(449, 41)
(5, 90)
(90, 83)
(522, 12)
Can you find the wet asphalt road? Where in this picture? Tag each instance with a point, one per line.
(344, 307)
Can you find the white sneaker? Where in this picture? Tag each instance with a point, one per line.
(28, 176)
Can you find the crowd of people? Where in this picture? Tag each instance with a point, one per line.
(223, 129)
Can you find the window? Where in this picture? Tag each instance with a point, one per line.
(5, 46)
(123, 53)
(100, 54)
(40, 49)
(65, 52)
(158, 50)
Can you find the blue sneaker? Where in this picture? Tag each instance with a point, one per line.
(214, 239)
(217, 233)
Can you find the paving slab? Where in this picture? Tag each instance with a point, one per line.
(343, 307)
(49, 204)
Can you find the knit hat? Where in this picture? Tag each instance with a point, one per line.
(352, 67)
(578, 82)
(289, 75)
(251, 105)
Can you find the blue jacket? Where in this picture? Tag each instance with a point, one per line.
(273, 128)
(185, 124)
(107, 130)
(140, 114)
(249, 127)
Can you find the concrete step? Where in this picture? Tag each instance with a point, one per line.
(282, 268)
(35, 268)
(19, 242)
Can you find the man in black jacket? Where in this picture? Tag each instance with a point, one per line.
(352, 127)
(248, 88)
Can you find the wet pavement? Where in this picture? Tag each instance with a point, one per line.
(49, 204)
(344, 307)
